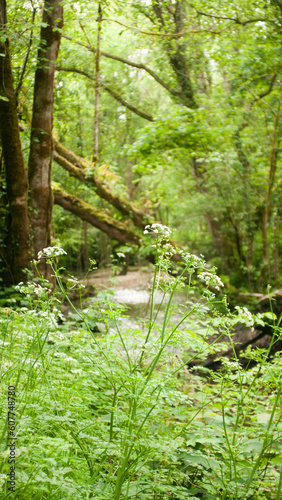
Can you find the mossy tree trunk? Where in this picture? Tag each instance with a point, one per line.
(15, 252)
(114, 228)
(78, 169)
(176, 50)
(40, 159)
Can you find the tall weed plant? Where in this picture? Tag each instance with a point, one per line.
(119, 415)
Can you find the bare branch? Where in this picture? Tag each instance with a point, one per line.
(150, 33)
(127, 105)
(128, 63)
(225, 18)
(110, 91)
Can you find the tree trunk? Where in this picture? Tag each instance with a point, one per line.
(77, 168)
(276, 248)
(16, 252)
(222, 245)
(268, 205)
(115, 229)
(40, 159)
(97, 87)
(176, 54)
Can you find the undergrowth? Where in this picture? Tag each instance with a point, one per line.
(118, 415)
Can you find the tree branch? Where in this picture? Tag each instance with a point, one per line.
(149, 33)
(234, 19)
(146, 14)
(76, 168)
(115, 229)
(128, 63)
(177, 56)
(127, 105)
(259, 97)
(110, 91)
(158, 12)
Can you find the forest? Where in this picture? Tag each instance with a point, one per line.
(140, 249)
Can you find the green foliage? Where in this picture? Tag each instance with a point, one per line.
(118, 415)
(185, 130)
(205, 171)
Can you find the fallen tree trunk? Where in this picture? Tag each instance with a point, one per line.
(115, 229)
(244, 337)
(77, 168)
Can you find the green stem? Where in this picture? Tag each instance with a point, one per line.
(265, 441)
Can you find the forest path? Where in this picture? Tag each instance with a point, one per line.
(133, 291)
(136, 278)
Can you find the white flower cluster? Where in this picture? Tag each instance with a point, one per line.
(49, 252)
(245, 316)
(65, 357)
(160, 229)
(211, 280)
(47, 317)
(31, 288)
(191, 259)
(168, 250)
(3, 478)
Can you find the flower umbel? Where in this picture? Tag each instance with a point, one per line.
(245, 316)
(211, 280)
(50, 252)
(160, 229)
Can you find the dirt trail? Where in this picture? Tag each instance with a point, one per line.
(138, 279)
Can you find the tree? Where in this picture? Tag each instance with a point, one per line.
(15, 251)
(206, 160)
(40, 156)
(17, 245)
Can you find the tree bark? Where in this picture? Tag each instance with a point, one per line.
(268, 205)
(97, 87)
(115, 229)
(176, 54)
(16, 252)
(276, 248)
(40, 159)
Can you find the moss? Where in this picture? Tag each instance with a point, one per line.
(100, 219)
